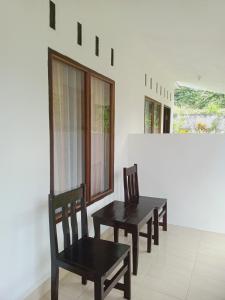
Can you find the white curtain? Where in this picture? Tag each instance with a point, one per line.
(100, 135)
(68, 123)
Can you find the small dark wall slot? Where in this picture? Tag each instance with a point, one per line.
(79, 33)
(151, 83)
(112, 57)
(97, 46)
(52, 14)
(145, 79)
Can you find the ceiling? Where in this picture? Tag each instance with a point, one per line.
(189, 37)
(186, 36)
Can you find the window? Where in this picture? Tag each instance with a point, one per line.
(81, 128)
(152, 116)
(166, 119)
(68, 126)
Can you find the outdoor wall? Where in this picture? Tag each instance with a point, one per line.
(24, 122)
(211, 123)
(188, 170)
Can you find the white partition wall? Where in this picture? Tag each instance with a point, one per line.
(189, 170)
(24, 116)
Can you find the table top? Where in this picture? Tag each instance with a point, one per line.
(134, 214)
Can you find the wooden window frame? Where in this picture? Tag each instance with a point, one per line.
(88, 74)
(150, 100)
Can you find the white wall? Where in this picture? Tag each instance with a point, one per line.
(24, 123)
(189, 170)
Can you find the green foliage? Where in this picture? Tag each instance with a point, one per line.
(148, 121)
(213, 109)
(106, 117)
(198, 99)
(102, 113)
(196, 102)
(183, 130)
(214, 126)
(177, 124)
(201, 128)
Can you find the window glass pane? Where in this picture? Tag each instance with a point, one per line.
(149, 109)
(100, 135)
(68, 126)
(157, 117)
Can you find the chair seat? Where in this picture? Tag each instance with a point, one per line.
(155, 202)
(93, 255)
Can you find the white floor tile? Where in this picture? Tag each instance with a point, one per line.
(188, 264)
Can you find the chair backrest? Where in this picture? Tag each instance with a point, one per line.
(66, 205)
(130, 181)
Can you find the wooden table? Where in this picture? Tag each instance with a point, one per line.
(131, 218)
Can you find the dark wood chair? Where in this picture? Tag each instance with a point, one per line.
(131, 196)
(91, 258)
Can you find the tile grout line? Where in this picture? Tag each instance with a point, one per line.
(196, 258)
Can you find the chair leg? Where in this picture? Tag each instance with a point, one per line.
(99, 289)
(116, 234)
(165, 218)
(54, 282)
(125, 233)
(149, 240)
(97, 228)
(127, 278)
(135, 248)
(84, 280)
(156, 227)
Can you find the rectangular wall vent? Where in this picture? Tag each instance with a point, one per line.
(52, 14)
(79, 33)
(112, 57)
(97, 46)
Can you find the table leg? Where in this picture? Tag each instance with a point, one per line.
(97, 229)
(135, 248)
(116, 234)
(84, 280)
(156, 227)
(149, 241)
(165, 218)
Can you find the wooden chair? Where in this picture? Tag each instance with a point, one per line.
(91, 258)
(131, 195)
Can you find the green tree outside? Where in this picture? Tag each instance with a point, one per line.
(198, 102)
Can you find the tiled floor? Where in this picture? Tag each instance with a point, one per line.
(188, 265)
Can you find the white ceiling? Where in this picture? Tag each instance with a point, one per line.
(189, 37)
(186, 36)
